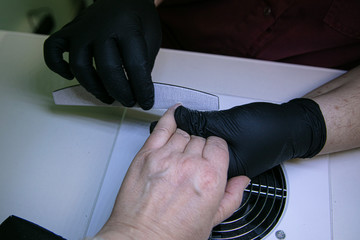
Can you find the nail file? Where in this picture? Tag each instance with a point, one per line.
(166, 95)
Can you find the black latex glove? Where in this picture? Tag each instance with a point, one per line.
(118, 35)
(260, 135)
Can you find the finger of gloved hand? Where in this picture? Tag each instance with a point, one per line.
(82, 66)
(54, 48)
(153, 50)
(191, 121)
(110, 69)
(153, 37)
(206, 124)
(137, 67)
(232, 198)
(163, 130)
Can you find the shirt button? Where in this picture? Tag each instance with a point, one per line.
(267, 11)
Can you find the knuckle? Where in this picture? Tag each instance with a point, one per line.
(109, 66)
(162, 131)
(197, 138)
(209, 178)
(156, 163)
(218, 143)
(221, 215)
(137, 70)
(182, 134)
(206, 175)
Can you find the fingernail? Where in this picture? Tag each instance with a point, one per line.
(176, 106)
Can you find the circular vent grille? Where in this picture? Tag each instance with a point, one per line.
(262, 206)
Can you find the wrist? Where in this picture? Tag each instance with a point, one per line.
(309, 128)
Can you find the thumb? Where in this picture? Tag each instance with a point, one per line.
(54, 48)
(232, 198)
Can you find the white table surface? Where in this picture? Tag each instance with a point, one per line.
(53, 159)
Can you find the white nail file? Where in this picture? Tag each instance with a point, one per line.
(166, 95)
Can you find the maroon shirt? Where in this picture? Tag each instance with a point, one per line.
(323, 33)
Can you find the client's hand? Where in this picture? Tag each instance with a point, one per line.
(176, 188)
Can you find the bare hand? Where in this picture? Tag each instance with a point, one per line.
(176, 187)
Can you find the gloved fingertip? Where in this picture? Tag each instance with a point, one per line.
(105, 98)
(108, 100)
(125, 98)
(152, 126)
(178, 111)
(181, 114)
(128, 104)
(68, 76)
(147, 105)
(62, 68)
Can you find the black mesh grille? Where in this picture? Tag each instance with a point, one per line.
(263, 203)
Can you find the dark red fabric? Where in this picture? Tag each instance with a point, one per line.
(323, 33)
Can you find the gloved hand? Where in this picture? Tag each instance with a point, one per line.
(123, 37)
(260, 135)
